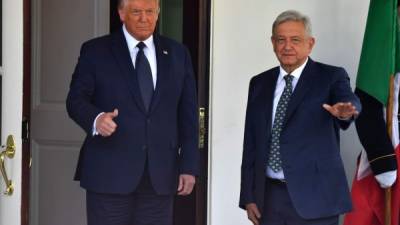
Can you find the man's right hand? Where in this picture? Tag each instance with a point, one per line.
(253, 214)
(105, 125)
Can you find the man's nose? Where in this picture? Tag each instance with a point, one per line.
(142, 17)
(287, 45)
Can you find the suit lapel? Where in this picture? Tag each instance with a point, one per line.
(263, 98)
(121, 53)
(163, 64)
(270, 85)
(303, 85)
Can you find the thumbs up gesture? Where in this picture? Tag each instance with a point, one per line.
(105, 124)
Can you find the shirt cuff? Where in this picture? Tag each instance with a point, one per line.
(345, 119)
(94, 130)
(386, 179)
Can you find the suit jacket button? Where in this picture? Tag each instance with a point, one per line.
(144, 147)
(148, 120)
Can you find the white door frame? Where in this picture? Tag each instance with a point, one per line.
(11, 115)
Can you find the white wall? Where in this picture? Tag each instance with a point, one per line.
(240, 49)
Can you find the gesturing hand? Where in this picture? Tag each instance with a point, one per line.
(105, 124)
(253, 213)
(186, 184)
(342, 110)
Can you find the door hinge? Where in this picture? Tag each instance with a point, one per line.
(25, 129)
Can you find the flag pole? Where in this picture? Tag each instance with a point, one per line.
(388, 203)
(389, 122)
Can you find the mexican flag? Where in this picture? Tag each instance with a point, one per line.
(379, 63)
(380, 50)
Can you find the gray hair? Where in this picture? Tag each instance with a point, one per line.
(292, 15)
(122, 2)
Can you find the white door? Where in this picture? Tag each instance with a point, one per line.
(11, 106)
(59, 27)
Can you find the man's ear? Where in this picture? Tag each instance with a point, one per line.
(311, 42)
(121, 13)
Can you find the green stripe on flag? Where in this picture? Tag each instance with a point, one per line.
(379, 59)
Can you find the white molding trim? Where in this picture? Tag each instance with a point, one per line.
(12, 95)
(210, 116)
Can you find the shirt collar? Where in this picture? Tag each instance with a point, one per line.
(296, 73)
(132, 42)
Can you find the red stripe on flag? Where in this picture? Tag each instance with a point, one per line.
(369, 200)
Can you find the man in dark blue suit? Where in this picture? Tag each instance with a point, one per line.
(134, 94)
(292, 172)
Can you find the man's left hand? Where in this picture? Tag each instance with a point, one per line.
(341, 110)
(186, 184)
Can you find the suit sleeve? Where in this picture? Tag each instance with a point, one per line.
(82, 88)
(341, 92)
(372, 132)
(249, 157)
(188, 122)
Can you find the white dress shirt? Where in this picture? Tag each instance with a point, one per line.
(149, 52)
(280, 85)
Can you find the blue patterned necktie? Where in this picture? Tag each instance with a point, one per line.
(274, 159)
(144, 76)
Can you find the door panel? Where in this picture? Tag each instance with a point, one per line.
(59, 28)
(11, 99)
